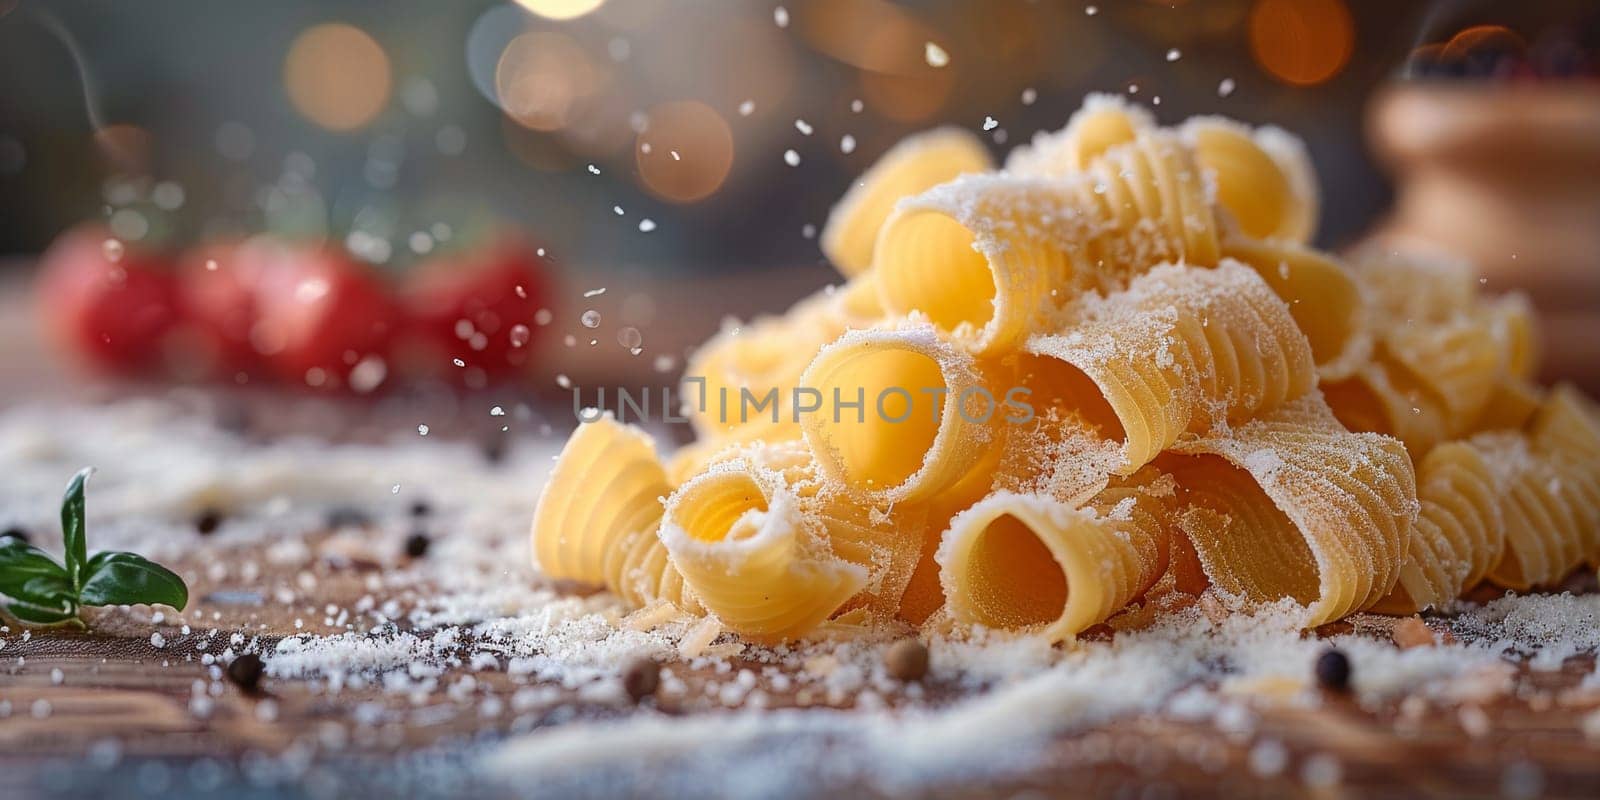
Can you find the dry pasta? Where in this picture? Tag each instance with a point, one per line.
(1113, 369)
(1293, 505)
(1459, 534)
(1263, 177)
(1037, 563)
(761, 551)
(1104, 121)
(1183, 350)
(902, 414)
(919, 162)
(1323, 297)
(733, 374)
(989, 257)
(597, 517)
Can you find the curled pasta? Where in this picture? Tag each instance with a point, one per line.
(902, 414)
(1293, 505)
(771, 558)
(1263, 177)
(749, 371)
(1183, 350)
(989, 257)
(1459, 534)
(917, 163)
(1548, 508)
(598, 514)
(1323, 297)
(1104, 121)
(1029, 562)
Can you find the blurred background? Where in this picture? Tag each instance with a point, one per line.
(681, 154)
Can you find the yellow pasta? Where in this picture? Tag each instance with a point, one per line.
(919, 162)
(1263, 177)
(1185, 349)
(1104, 121)
(761, 550)
(1114, 368)
(1459, 534)
(1323, 297)
(901, 414)
(749, 371)
(1293, 505)
(987, 258)
(597, 516)
(1035, 563)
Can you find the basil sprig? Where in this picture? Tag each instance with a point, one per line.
(39, 591)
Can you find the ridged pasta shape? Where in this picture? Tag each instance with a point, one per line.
(990, 257)
(1293, 505)
(1104, 121)
(1034, 563)
(1323, 297)
(1263, 177)
(598, 515)
(1183, 350)
(1384, 397)
(903, 414)
(1549, 510)
(1459, 534)
(761, 556)
(917, 163)
(744, 365)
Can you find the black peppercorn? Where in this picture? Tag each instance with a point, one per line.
(417, 544)
(347, 517)
(245, 671)
(1333, 671)
(208, 521)
(641, 679)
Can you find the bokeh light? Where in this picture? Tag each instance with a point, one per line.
(337, 76)
(560, 9)
(684, 152)
(541, 77)
(1301, 42)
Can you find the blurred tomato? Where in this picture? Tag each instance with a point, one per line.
(477, 307)
(106, 301)
(217, 296)
(318, 315)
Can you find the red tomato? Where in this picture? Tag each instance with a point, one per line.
(106, 301)
(217, 295)
(477, 306)
(319, 315)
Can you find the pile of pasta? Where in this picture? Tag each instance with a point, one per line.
(1111, 368)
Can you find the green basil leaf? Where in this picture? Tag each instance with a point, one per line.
(72, 532)
(30, 574)
(40, 615)
(119, 578)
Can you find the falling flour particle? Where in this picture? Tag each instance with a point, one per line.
(1029, 95)
(646, 225)
(590, 319)
(990, 123)
(1174, 54)
(847, 144)
(1091, 10)
(1225, 88)
(594, 170)
(780, 15)
(803, 127)
(595, 292)
(856, 106)
(617, 209)
(422, 430)
(791, 158)
(747, 108)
